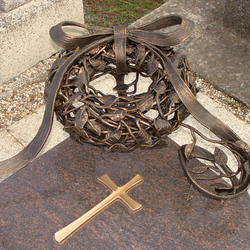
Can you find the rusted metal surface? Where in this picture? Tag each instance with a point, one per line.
(121, 120)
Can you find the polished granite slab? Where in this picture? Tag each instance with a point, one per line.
(61, 185)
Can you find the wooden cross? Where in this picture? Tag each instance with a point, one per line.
(118, 193)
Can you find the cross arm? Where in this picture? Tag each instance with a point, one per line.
(106, 181)
(129, 202)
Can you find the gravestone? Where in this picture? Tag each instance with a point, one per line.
(24, 31)
(60, 186)
(7, 5)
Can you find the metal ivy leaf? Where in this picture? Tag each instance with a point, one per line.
(82, 78)
(94, 127)
(247, 167)
(113, 136)
(118, 147)
(162, 125)
(220, 157)
(188, 150)
(152, 65)
(84, 134)
(94, 51)
(198, 167)
(146, 103)
(189, 194)
(145, 137)
(177, 59)
(243, 145)
(108, 55)
(97, 64)
(79, 132)
(130, 49)
(140, 52)
(173, 97)
(225, 190)
(75, 98)
(160, 88)
(68, 124)
(117, 115)
(81, 118)
(107, 100)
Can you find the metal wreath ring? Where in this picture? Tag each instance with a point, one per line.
(122, 120)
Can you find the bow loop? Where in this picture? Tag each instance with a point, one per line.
(66, 41)
(145, 33)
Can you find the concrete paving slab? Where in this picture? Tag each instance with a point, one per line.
(237, 17)
(25, 130)
(9, 145)
(214, 52)
(17, 136)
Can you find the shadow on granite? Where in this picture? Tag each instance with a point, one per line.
(61, 185)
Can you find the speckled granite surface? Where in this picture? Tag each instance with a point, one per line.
(61, 185)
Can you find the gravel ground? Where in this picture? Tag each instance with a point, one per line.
(229, 103)
(24, 94)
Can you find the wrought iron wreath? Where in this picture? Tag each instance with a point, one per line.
(121, 120)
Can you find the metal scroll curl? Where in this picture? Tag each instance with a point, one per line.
(209, 172)
(121, 120)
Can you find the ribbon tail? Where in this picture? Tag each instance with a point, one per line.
(20, 160)
(201, 114)
(216, 126)
(25, 156)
